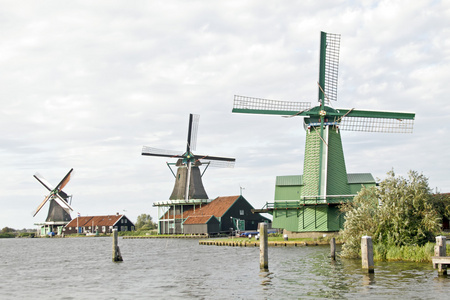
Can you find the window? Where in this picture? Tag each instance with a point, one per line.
(241, 212)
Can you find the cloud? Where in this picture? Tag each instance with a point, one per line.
(86, 85)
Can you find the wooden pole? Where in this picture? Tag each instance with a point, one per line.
(263, 247)
(440, 250)
(116, 256)
(367, 253)
(333, 248)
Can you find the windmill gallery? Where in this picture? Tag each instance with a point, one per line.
(307, 203)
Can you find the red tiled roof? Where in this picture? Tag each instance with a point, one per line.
(197, 220)
(96, 220)
(216, 208)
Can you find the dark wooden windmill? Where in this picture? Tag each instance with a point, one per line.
(188, 191)
(59, 208)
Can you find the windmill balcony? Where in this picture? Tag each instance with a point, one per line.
(308, 200)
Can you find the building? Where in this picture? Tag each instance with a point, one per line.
(201, 225)
(314, 214)
(223, 214)
(100, 224)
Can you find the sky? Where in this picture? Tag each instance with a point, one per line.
(85, 85)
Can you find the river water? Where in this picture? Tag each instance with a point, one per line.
(81, 268)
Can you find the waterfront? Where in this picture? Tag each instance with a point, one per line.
(81, 268)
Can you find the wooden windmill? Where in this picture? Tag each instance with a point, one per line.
(188, 191)
(59, 208)
(309, 201)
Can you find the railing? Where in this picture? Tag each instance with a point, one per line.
(308, 200)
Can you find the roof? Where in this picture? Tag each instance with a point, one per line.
(218, 207)
(109, 220)
(289, 180)
(360, 178)
(198, 220)
(352, 178)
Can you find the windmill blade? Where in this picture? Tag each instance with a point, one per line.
(192, 133)
(149, 151)
(207, 157)
(376, 121)
(328, 66)
(62, 202)
(43, 181)
(249, 105)
(218, 163)
(64, 181)
(42, 204)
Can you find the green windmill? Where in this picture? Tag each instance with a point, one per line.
(310, 202)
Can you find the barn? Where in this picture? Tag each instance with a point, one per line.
(100, 224)
(223, 214)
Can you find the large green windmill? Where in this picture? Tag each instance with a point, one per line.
(309, 202)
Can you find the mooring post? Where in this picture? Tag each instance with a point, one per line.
(116, 256)
(263, 247)
(440, 250)
(367, 253)
(333, 248)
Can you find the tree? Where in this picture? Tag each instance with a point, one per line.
(7, 229)
(144, 222)
(399, 212)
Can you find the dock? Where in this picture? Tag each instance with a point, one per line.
(441, 263)
(240, 243)
(193, 236)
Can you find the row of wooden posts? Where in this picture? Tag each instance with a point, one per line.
(440, 261)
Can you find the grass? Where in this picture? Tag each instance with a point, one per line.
(412, 253)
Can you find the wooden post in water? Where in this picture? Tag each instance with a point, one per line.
(263, 247)
(116, 256)
(440, 250)
(333, 248)
(367, 253)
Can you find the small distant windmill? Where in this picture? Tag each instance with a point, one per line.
(188, 190)
(59, 209)
(325, 179)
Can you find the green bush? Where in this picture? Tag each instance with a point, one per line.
(397, 213)
(6, 235)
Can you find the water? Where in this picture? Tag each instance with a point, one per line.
(81, 268)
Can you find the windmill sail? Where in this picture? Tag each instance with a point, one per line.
(328, 66)
(59, 206)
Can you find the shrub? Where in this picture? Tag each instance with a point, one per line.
(397, 213)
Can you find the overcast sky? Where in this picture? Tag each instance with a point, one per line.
(85, 85)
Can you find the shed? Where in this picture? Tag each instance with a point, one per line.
(201, 225)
